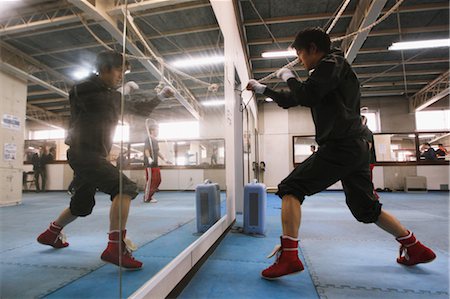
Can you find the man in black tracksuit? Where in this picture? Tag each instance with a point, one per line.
(95, 111)
(333, 95)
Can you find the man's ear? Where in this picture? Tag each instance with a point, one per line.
(312, 48)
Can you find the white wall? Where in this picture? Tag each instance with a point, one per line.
(274, 144)
(277, 126)
(13, 96)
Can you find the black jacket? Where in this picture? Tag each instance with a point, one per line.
(94, 115)
(332, 92)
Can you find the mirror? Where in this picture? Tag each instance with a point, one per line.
(190, 140)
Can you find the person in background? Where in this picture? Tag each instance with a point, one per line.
(151, 163)
(427, 152)
(95, 109)
(40, 161)
(368, 135)
(332, 92)
(313, 149)
(441, 151)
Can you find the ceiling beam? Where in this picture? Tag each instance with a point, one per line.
(47, 101)
(365, 64)
(367, 12)
(327, 16)
(145, 5)
(430, 94)
(384, 32)
(24, 75)
(98, 13)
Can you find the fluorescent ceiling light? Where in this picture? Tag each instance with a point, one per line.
(81, 74)
(269, 100)
(213, 103)
(421, 44)
(200, 61)
(277, 54)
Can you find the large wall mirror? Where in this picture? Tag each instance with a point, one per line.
(185, 132)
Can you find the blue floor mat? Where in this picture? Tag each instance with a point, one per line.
(344, 258)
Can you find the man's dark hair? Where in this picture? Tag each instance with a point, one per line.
(109, 59)
(309, 36)
(440, 144)
(426, 143)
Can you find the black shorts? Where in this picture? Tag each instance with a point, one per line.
(93, 172)
(346, 161)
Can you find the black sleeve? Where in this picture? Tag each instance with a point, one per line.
(309, 93)
(283, 99)
(141, 104)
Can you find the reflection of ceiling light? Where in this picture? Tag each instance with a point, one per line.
(277, 54)
(421, 44)
(213, 103)
(269, 100)
(81, 74)
(188, 62)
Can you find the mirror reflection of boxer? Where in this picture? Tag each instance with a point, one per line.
(95, 107)
(332, 92)
(152, 170)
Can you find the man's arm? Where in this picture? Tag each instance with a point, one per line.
(140, 103)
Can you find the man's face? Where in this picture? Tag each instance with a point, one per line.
(154, 132)
(309, 59)
(112, 77)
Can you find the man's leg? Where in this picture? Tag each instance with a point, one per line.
(44, 179)
(118, 214)
(53, 235)
(287, 255)
(390, 224)
(118, 251)
(36, 180)
(412, 252)
(291, 212)
(314, 175)
(366, 208)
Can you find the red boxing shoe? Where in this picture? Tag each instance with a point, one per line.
(53, 236)
(287, 259)
(412, 252)
(111, 253)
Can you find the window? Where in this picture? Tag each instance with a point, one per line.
(303, 148)
(395, 147)
(122, 133)
(180, 130)
(372, 121)
(47, 134)
(433, 120)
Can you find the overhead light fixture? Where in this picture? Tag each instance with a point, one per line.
(421, 44)
(278, 54)
(200, 61)
(81, 74)
(269, 100)
(213, 103)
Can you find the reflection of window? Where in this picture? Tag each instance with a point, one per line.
(433, 120)
(439, 142)
(204, 153)
(122, 133)
(372, 121)
(47, 134)
(395, 147)
(189, 129)
(303, 148)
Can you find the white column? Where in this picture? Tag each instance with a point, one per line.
(13, 97)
